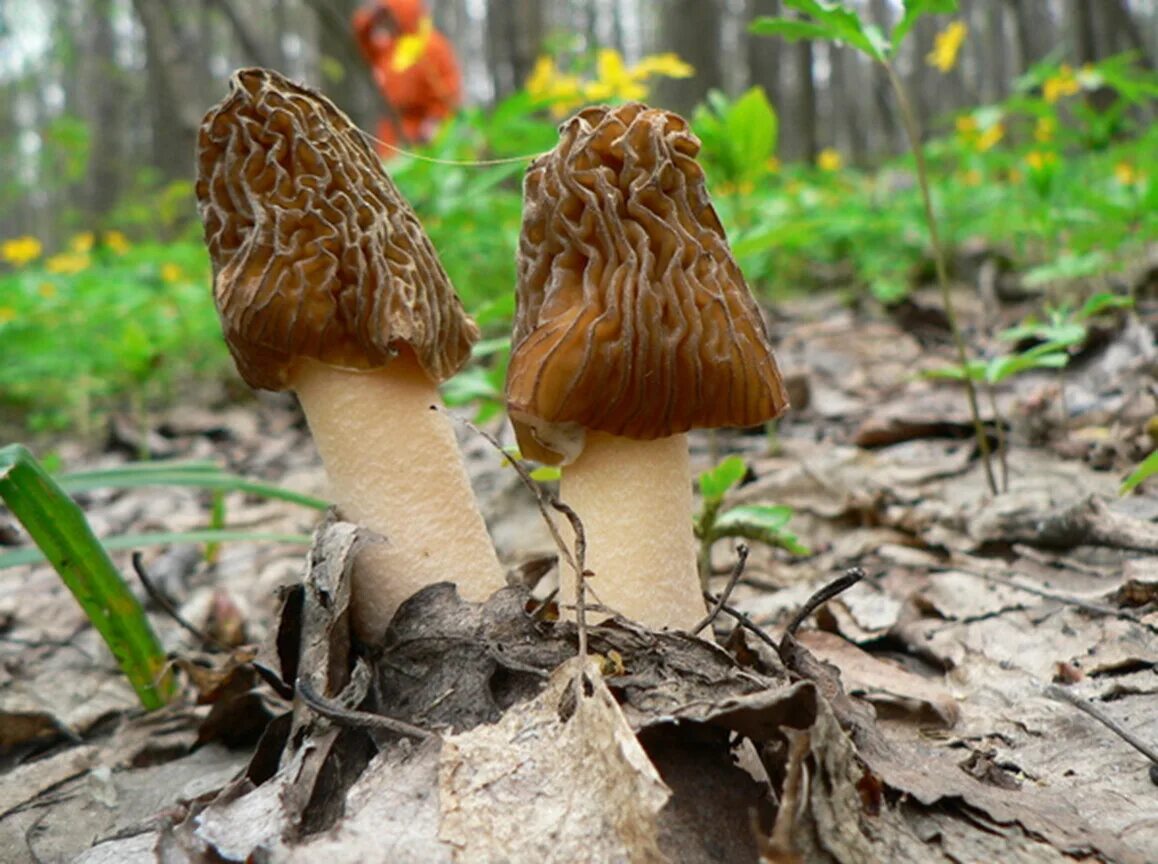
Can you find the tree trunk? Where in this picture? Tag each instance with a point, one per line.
(105, 114)
(846, 99)
(174, 104)
(1085, 35)
(893, 139)
(351, 84)
(806, 113)
(994, 71)
(764, 54)
(691, 28)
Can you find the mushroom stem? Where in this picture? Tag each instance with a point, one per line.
(395, 468)
(635, 501)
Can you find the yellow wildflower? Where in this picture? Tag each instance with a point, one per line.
(1126, 174)
(547, 83)
(411, 46)
(1044, 129)
(668, 64)
(543, 75)
(829, 160)
(81, 242)
(171, 272)
(46, 290)
(947, 45)
(20, 250)
(972, 177)
(615, 80)
(1014, 176)
(7, 313)
(67, 262)
(1039, 160)
(1064, 83)
(967, 126)
(117, 242)
(988, 139)
(773, 165)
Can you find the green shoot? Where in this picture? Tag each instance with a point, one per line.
(63, 534)
(1146, 469)
(759, 522)
(834, 22)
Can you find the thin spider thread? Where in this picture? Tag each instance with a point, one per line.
(462, 163)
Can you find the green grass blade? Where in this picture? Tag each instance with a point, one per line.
(120, 542)
(61, 531)
(201, 475)
(1148, 468)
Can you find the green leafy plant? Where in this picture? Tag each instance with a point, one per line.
(835, 22)
(61, 531)
(759, 522)
(739, 136)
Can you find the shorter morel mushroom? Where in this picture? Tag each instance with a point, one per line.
(327, 285)
(633, 325)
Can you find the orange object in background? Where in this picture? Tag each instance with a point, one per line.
(414, 66)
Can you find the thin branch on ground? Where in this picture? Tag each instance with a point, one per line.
(745, 622)
(1076, 602)
(1061, 694)
(909, 120)
(158, 597)
(832, 589)
(359, 719)
(733, 578)
(575, 558)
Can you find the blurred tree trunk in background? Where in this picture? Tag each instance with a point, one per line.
(342, 72)
(1125, 33)
(514, 35)
(764, 54)
(1085, 33)
(105, 103)
(122, 84)
(174, 104)
(690, 28)
(256, 53)
(846, 105)
(806, 120)
(893, 135)
(1035, 31)
(991, 54)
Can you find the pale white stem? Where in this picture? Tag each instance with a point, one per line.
(635, 501)
(394, 467)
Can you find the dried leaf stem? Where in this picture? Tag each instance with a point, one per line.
(914, 135)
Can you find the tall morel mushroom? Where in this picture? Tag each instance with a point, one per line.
(327, 285)
(633, 325)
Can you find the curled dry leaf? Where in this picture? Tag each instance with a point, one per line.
(558, 779)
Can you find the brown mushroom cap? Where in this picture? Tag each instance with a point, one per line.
(315, 252)
(632, 316)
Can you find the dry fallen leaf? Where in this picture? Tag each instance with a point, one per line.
(559, 779)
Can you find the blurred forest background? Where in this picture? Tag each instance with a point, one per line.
(100, 99)
(1037, 118)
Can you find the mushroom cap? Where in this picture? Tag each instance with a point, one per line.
(632, 316)
(315, 252)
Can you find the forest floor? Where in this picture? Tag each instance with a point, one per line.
(972, 605)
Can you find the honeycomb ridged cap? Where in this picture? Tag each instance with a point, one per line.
(632, 316)
(315, 252)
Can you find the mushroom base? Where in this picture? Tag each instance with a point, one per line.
(635, 501)
(395, 468)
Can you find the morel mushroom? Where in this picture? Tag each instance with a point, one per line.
(633, 325)
(327, 285)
